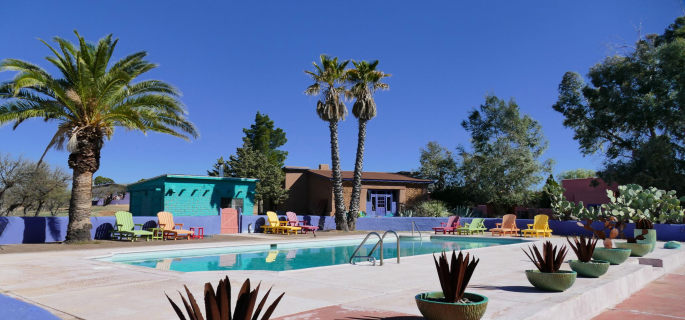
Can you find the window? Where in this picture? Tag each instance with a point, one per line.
(235, 203)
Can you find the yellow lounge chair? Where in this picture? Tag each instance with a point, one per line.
(276, 226)
(540, 227)
(508, 225)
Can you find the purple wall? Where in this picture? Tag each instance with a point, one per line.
(125, 201)
(54, 229)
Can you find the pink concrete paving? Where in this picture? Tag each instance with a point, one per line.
(344, 312)
(661, 299)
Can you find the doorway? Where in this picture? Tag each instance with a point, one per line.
(381, 203)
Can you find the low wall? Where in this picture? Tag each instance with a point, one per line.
(54, 229)
(323, 222)
(664, 232)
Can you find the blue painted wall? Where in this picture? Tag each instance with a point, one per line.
(189, 195)
(323, 222)
(54, 229)
(16, 309)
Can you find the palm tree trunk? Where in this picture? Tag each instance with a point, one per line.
(79, 226)
(357, 182)
(340, 222)
(85, 161)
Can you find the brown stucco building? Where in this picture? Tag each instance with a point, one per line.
(383, 193)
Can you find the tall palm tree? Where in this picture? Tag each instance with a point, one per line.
(365, 80)
(329, 83)
(90, 99)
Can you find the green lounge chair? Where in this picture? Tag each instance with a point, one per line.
(125, 228)
(476, 226)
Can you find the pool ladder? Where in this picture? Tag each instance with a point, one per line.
(380, 242)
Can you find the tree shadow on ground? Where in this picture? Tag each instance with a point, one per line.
(520, 289)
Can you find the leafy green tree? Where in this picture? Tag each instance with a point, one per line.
(250, 163)
(631, 111)
(577, 174)
(329, 84)
(100, 180)
(437, 163)
(93, 96)
(505, 158)
(365, 80)
(266, 139)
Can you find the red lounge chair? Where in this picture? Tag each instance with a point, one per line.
(292, 220)
(450, 226)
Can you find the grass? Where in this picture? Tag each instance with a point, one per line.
(96, 211)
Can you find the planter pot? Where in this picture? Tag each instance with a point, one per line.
(592, 269)
(636, 249)
(672, 245)
(650, 237)
(557, 282)
(614, 256)
(432, 309)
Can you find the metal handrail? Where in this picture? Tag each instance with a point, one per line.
(369, 257)
(381, 243)
(413, 224)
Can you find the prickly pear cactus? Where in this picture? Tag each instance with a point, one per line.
(634, 203)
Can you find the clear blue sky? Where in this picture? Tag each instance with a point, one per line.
(232, 60)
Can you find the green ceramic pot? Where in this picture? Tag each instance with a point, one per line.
(436, 310)
(672, 245)
(636, 249)
(592, 269)
(614, 256)
(557, 282)
(650, 237)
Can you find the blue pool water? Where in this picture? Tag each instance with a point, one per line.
(294, 256)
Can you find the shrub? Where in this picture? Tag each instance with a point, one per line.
(432, 208)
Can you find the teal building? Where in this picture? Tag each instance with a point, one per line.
(187, 195)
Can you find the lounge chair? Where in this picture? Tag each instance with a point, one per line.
(292, 220)
(452, 223)
(275, 225)
(476, 226)
(508, 226)
(125, 228)
(540, 227)
(166, 222)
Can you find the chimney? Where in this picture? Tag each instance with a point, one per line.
(324, 167)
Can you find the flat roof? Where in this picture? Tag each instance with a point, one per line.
(372, 176)
(189, 176)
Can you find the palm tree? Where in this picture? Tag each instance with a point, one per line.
(365, 80)
(88, 102)
(329, 84)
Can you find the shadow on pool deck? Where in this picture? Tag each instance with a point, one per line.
(351, 313)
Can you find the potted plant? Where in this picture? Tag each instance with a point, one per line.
(548, 277)
(645, 228)
(585, 266)
(608, 253)
(453, 302)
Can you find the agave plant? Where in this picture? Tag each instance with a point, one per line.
(454, 279)
(644, 223)
(550, 260)
(584, 248)
(218, 304)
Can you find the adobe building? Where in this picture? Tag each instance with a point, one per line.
(582, 190)
(383, 193)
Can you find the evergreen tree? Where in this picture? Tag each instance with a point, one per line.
(265, 138)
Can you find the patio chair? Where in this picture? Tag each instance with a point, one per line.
(452, 223)
(275, 225)
(125, 228)
(292, 220)
(540, 227)
(476, 226)
(166, 222)
(508, 226)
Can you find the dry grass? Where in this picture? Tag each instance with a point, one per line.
(96, 211)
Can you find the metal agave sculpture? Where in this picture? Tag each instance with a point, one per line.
(218, 304)
(455, 279)
(584, 248)
(550, 260)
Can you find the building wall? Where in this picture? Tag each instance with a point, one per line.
(297, 183)
(581, 190)
(320, 188)
(188, 196)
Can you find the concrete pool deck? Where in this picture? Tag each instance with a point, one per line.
(72, 286)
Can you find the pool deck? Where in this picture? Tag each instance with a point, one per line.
(72, 286)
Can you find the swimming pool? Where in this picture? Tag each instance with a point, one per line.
(293, 256)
